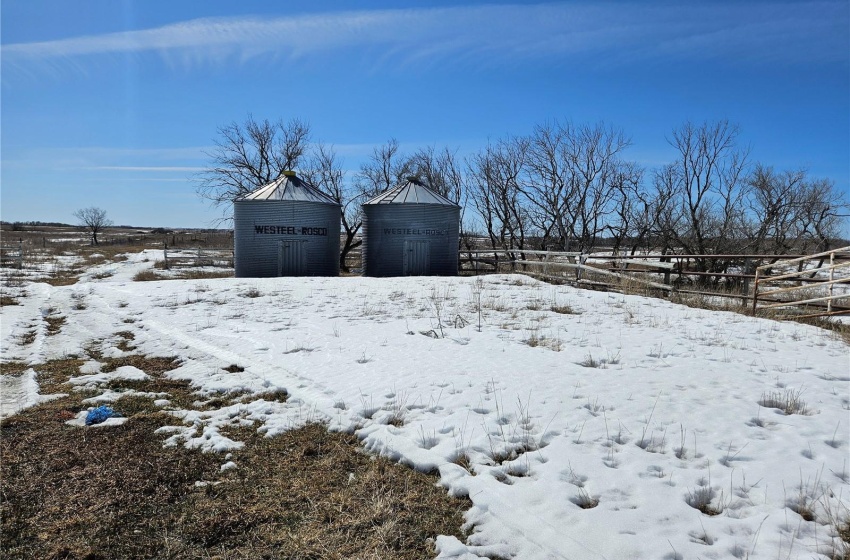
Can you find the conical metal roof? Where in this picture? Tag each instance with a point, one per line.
(289, 187)
(411, 192)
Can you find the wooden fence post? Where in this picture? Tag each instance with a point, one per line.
(745, 290)
(756, 292)
(831, 278)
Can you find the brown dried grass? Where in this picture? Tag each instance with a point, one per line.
(147, 275)
(116, 492)
(54, 324)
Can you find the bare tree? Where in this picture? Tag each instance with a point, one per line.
(494, 182)
(596, 174)
(632, 213)
(708, 179)
(385, 168)
(94, 220)
(545, 185)
(776, 210)
(440, 170)
(575, 182)
(659, 218)
(250, 155)
(823, 211)
(325, 171)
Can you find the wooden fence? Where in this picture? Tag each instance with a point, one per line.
(804, 281)
(12, 255)
(671, 273)
(196, 257)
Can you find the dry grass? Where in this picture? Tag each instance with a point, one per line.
(147, 275)
(28, 337)
(788, 401)
(124, 344)
(52, 375)
(62, 279)
(203, 275)
(13, 368)
(74, 492)
(8, 300)
(54, 324)
(333, 502)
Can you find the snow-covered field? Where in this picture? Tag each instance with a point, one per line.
(581, 424)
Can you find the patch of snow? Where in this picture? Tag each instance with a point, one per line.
(18, 392)
(129, 373)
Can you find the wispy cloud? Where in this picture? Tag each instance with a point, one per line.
(98, 158)
(144, 168)
(749, 31)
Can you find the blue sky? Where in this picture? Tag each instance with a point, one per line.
(112, 103)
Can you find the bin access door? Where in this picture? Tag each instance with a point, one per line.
(291, 259)
(417, 258)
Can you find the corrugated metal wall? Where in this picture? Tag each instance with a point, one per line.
(410, 239)
(285, 238)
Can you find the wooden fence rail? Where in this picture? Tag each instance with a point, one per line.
(12, 254)
(199, 257)
(541, 262)
(803, 276)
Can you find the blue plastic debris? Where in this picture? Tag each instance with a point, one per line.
(99, 414)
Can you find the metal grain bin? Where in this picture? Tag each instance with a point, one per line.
(410, 230)
(286, 228)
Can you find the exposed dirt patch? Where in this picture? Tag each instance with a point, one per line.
(7, 300)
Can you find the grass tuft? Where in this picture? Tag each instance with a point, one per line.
(146, 275)
(788, 401)
(701, 499)
(584, 500)
(54, 324)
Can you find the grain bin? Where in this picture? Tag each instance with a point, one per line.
(410, 230)
(286, 228)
